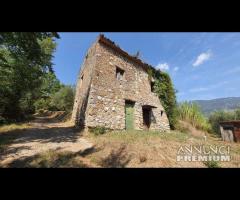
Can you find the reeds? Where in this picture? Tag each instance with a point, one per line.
(191, 113)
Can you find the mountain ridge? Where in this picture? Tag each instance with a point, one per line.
(226, 103)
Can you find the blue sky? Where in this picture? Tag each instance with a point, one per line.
(201, 65)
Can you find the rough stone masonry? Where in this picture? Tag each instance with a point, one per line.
(114, 91)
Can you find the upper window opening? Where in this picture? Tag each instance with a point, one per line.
(119, 73)
(81, 81)
(152, 86)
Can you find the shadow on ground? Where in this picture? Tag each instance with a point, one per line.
(53, 159)
(116, 159)
(43, 133)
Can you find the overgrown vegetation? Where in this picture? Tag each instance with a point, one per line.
(99, 130)
(219, 116)
(25, 57)
(164, 88)
(27, 79)
(212, 164)
(191, 113)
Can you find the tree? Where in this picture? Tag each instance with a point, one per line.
(50, 85)
(24, 59)
(164, 88)
(218, 116)
(63, 99)
(26, 45)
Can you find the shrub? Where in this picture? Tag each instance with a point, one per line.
(2, 120)
(63, 99)
(190, 112)
(99, 130)
(212, 164)
(219, 116)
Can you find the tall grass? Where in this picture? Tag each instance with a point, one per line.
(191, 113)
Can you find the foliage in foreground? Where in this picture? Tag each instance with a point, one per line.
(190, 112)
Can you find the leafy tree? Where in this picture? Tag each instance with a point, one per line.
(50, 85)
(237, 114)
(24, 59)
(63, 99)
(25, 45)
(219, 116)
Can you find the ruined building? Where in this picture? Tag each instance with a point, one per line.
(114, 91)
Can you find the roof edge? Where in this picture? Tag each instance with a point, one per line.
(102, 39)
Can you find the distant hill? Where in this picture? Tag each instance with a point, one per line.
(208, 106)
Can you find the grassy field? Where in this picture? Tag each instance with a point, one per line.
(151, 149)
(121, 149)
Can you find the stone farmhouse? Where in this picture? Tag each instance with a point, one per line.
(114, 91)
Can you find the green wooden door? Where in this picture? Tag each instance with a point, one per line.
(129, 116)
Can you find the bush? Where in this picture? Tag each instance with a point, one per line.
(2, 120)
(42, 104)
(63, 99)
(190, 112)
(99, 130)
(212, 164)
(219, 116)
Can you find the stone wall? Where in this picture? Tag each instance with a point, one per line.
(83, 87)
(106, 102)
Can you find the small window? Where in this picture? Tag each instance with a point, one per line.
(161, 113)
(119, 73)
(81, 81)
(152, 86)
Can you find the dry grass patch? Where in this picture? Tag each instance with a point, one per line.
(14, 127)
(52, 159)
(9, 132)
(150, 149)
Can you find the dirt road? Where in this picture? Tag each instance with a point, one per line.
(43, 135)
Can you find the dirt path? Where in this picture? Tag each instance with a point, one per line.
(45, 134)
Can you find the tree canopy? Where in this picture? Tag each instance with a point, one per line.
(25, 58)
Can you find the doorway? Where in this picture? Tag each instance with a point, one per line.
(146, 118)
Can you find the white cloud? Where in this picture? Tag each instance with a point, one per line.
(163, 66)
(203, 57)
(175, 69)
